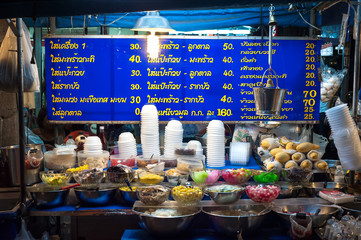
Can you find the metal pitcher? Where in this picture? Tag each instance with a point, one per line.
(10, 166)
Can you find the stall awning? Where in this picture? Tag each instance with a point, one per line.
(188, 20)
(48, 8)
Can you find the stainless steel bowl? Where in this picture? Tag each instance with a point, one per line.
(319, 220)
(289, 190)
(127, 197)
(166, 226)
(313, 188)
(354, 208)
(95, 196)
(296, 175)
(47, 197)
(230, 224)
(225, 197)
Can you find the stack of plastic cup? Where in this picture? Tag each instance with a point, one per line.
(93, 144)
(149, 132)
(127, 145)
(215, 144)
(173, 136)
(197, 145)
(239, 153)
(345, 135)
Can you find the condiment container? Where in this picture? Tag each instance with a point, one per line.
(59, 162)
(169, 162)
(184, 163)
(94, 160)
(143, 162)
(116, 160)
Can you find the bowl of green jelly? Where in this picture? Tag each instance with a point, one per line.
(265, 177)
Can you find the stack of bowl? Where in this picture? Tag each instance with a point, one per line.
(346, 137)
(92, 144)
(127, 145)
(215, 144)
(149, 131)
(173, 137)
(239, 153)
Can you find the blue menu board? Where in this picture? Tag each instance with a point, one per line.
(109, 79)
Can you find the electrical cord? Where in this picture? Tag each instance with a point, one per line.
(351, 3)
(105, 25)
(84, 24)
(307, 22)
(314, 25)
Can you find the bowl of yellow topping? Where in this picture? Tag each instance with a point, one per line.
(78, 169)
(187, 195)
(150, 178)
(128, 196)
(55, 179)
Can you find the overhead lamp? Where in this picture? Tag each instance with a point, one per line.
(152, 22)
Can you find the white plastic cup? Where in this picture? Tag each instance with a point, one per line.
(216, 124)
(175, 125)
(92, 140)
(125, 137)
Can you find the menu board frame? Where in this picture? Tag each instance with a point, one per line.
(181, 37)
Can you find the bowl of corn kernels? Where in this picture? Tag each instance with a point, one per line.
(187, 195)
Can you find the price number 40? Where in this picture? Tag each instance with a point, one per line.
(135, 58)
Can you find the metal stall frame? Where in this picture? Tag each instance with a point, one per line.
(17, 30)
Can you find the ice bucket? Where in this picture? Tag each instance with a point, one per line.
(269, 100)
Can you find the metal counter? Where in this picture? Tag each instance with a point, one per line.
(119, 210)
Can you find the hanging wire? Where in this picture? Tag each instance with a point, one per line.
(71, 24)
(105, 25)
(297, 8)
(84, 24)
(308, 22)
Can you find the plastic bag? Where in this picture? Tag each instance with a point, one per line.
(331, 82)
(24, 234)
(8, 63)
(320, 141)
(32, 138)
(241, 132)
(45, 236)
(305, 134)
(301, 227)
